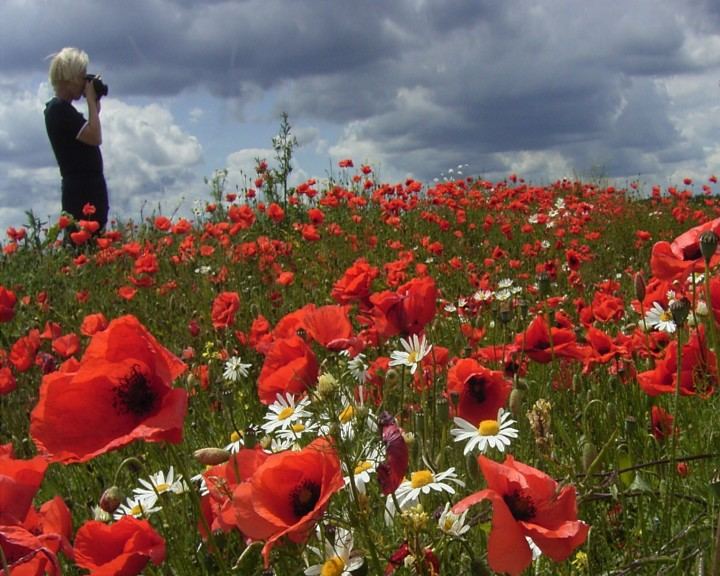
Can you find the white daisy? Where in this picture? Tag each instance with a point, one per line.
(159, 484)
(505, 283)
(424, 482)
(139, 507)
(488, 434)
(235, 369)
(660, 319)
(295, 431)
(284, 413)
(363, 469)
(415, 350)
(452, 524)
(483, 295)
(338, 557)
(358, 368)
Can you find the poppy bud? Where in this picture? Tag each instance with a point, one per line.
(589, 454)
(391, 377)
(516, 401)
(639, 283)
(543, 284)
(111, 499)
(680, 310)
(708, 244)
(211, 456)
(442, 410)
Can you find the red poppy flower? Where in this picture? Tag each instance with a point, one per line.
(661, 422)
(23, 350)
(698, 373)
(431, 564)
(66, 345)
(676, 259)
(19, 482)
(408, 310)
(7, 381)
(526, 503)
(355, 284)
(31, 548)
(287, 494)
(224, 307)
(541, 345)
(7, 304)
(480, 392)
(93, 323)
(119, 392)
(327, 324)
(120, 549)
(290, 366)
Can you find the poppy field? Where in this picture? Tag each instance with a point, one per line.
(352, 377)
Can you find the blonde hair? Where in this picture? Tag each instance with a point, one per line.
(67, 65)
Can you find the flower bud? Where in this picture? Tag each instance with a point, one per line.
(391, 377)
(211, 456)
(680, 310)
(639, 283)
(708, 244)
(111, 499)
(516, 401)
(589, 454)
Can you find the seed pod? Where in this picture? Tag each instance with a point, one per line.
(516, 402)
(639, 283)
(680, 310)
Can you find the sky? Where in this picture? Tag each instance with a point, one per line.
(624, 89)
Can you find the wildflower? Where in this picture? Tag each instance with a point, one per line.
(495, 433)
(235, 369)
(284, 412)
(415, 350)
(480, 392)
(138, 506)
(660, 319)
(391, 471)
(290, 366)
(339, 558)
(124, 547)
(424, 482)
(526, 503)
(160, 483)
(358, 368)
(286, 494)
(453, 524)
(224, 307)
(236, 442)
(119, 392)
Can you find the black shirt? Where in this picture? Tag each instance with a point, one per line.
(75, 158)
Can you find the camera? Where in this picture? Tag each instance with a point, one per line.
(101, 88)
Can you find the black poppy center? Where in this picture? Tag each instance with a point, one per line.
(476, 387)
(134, 395)
(304, 497)
(521, 507)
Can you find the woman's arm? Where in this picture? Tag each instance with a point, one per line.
(91, 133)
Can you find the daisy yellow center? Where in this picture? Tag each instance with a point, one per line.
(162, 488)
(412, 357)
(235, 436)
(286, 412)
(136, 510)
(421, 478)
(488, 428)
(360, 468)
(347, 414)
(665, 316)
(297, 428)
(333, 567)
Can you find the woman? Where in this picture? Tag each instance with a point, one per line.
(75, 140)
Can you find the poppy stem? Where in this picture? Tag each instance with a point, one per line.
(673, 445)
(715, 569)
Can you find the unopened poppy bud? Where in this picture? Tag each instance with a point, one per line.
(391, 377)
(639, 283)
(708, 244)
(250, 437)
(442, 410)
(211, 456)
(111, 499)
(589, 454)
(543, 284)
(680, 310)
(516, 401)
